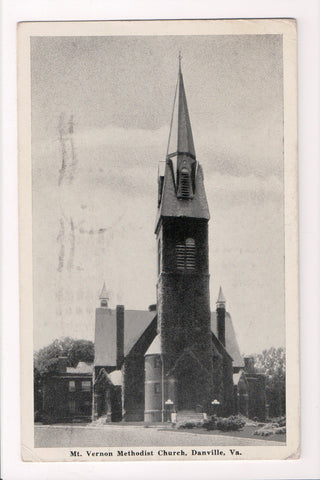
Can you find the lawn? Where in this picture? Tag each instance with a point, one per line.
(246, 432)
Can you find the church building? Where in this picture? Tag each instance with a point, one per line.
(177, 356)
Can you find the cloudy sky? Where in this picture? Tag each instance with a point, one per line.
(93, 221)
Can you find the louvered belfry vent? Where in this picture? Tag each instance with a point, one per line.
(186, 255)
(190, 254)
(185, 184)
(180, 256)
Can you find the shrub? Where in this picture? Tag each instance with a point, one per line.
(264, 432)
(280, 430)
(279, 421)
(232, 423)
(270, 429)
(188, 425)
(211, 424)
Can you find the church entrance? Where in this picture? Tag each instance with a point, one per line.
(193, 383)
(191, 392)
(186, 397)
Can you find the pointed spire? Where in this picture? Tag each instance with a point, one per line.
(104, 297)
(221, 302)
(180, 137)
(181, 191)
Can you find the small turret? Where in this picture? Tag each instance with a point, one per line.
(221, 301)
(104, 298)
(221, 317)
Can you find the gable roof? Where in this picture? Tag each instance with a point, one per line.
(181, 360)
(219, 348)
(239, 376)
(145, 340)
(155, 347)
(135, 323)
(232, 346)
(116, 377)
(81, 368)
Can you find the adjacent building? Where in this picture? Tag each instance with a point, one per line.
(67, 395)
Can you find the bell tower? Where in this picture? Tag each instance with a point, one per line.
(183, 267)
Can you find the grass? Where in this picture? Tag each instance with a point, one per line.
(246, 432)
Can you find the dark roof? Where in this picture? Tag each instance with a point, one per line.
(219, 347)
(232, 346)
(180, 137)
(221, 298)
(181, 147)
(172, 206)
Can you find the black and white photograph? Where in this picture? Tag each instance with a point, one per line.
(158, 203)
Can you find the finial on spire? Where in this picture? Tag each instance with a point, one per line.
(104, 296)
(180, 58)
(221, 302)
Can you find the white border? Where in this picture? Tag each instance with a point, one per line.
(307, 15)
(285, 27)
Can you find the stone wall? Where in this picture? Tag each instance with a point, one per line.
(184, 303)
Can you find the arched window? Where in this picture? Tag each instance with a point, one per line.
(186, 255)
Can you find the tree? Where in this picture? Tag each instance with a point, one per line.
(272, 363)
(46, 359)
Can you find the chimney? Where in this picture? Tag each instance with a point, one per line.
(249, 364)
(62, 364)
(120, 335)
(221, 317)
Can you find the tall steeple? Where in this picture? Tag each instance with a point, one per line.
(180, 136)
(181, 189)
(183, 299)
(181, 153)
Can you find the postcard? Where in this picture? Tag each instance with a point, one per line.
(158, 240)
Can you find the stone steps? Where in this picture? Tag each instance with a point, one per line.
(185, 416)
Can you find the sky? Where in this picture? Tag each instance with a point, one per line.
(93, 220)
